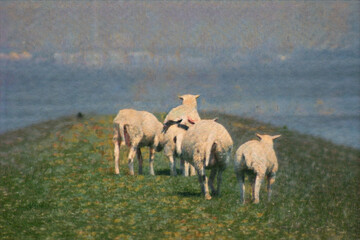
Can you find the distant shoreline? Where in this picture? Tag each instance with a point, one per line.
(43, 126)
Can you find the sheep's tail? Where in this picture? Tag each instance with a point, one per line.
(209, 150)
(124, 130)
(122, 134)
(239, 157)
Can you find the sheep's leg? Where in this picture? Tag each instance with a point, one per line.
(131, 156)
(172, 166)
(201, 184)
(185, 165)
(117, 155)
(219, 179)
(204, 183)
(140, 159)
(187, 168)
(270, 181)
(258, 182)
(192, 170)
(211, 180)
(151, 160)
(241, 179)
(252, 181)
(116, 141)
(182, 166)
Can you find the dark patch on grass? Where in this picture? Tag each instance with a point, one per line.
(189, 194)
(162, 172)
(166, 172)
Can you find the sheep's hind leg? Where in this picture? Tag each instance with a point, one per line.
(192, 170)
(211, 181)
(151, 160)
(251, 179)
(140, 159)
(258, 182)
(116, 155)
(219, 180)
(117, 143)
(270, 181)
(131, 156)
(172, 166)
(204, 183)
(241, 179)
(185, 167)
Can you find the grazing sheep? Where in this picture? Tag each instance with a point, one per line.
(172, 147)
(208, 145)
(257, 159)
(187, 112)
(136, 129)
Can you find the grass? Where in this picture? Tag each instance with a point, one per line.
(57, 182)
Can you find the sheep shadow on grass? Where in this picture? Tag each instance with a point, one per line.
(188, 194)
(166, 172)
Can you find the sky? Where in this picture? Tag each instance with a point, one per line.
(163, 27)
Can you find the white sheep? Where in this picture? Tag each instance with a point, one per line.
(136, 129)
(208, 145)
(257, 159)
(182, 116)
(187, 112)
(172, 147)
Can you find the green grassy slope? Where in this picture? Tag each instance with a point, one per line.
(57, 182)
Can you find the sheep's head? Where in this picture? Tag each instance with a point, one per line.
(189, 99)
(267, 138)
(169, 124)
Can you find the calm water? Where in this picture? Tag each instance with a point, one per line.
(323, 101)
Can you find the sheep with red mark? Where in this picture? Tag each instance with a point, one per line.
(187, 112)
(137, 129)
(177, 121)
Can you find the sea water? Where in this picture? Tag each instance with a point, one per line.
(320, 102)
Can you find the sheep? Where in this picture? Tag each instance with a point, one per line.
(257, 159)
(187, 112)
(207, 145)
(136, 129)
(183, 116)
(172, 147)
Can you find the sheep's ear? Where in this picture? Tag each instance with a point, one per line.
(260, 136)
(276, 136)
(216, 119)
(196, 96)
(181, 97)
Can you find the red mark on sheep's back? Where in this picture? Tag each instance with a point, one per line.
(192, 121)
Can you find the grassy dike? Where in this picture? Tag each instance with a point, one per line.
(57, 182)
